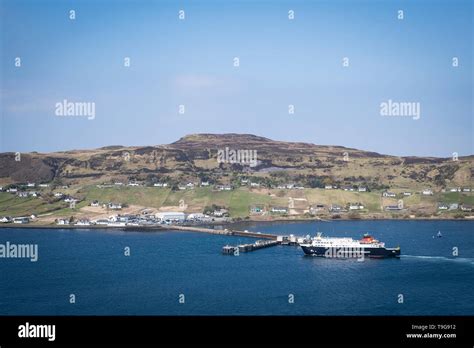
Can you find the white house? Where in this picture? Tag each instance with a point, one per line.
(254, 184)
(328, 187)
(43, 185)
(443, 206)
(58, 194)
(407, 193)
(392, 207)
(281, 210)
(12, 190)
(102, 222)
(118, 183)
(160, 184)
(190, 185)
(197, 216)
(83, 222)
(220, 212)
(466, 190)
(356, 206)
(335, 208)
(22, 194)
(21, 220)
(316, 208)
(204, 183)
(134, 183)
(388, 194)
(5, 219)
(427, 192)
(95, 204)
(115, 206)
(62, 222)
(362, 189)
(454, 206)
(31, 184)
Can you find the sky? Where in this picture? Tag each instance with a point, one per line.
(283, 62)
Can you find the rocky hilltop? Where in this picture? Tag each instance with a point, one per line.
(195, 156)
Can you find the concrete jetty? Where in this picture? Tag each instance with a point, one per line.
(244, 248)
(222, 231)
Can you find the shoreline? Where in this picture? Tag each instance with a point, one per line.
(223, 225)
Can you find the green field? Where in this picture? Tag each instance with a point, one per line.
(242, 200)
(456, 197)
(11, 205)
(144, 196)
(238, 201)
(370, 200)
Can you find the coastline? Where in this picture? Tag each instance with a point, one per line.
(223, 225)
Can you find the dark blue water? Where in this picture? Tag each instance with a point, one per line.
(91, 264)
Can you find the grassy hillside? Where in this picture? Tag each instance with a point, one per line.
(238, 201)
(193, 158)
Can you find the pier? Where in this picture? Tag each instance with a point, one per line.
(244, 248)
(223, 231)
(265, 240)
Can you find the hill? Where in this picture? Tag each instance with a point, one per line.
(195, 156)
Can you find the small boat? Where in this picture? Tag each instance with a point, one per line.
(439, 235)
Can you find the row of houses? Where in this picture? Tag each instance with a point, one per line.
(346, 188)
(314, 209)
(290, 187)
(146, 219)
(17, 220)
(459, 189)
(455, 206)
(425, 192)
(26, 194)
(109, 205)
(19, 187)
(393, 195)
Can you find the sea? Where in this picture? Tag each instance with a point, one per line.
(116, 272)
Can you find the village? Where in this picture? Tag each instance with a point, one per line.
(80, 212)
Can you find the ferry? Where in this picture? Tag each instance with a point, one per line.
(333, 247)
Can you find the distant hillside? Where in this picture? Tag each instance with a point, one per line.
(195, 156)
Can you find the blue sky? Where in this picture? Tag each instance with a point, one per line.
(282, 62)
